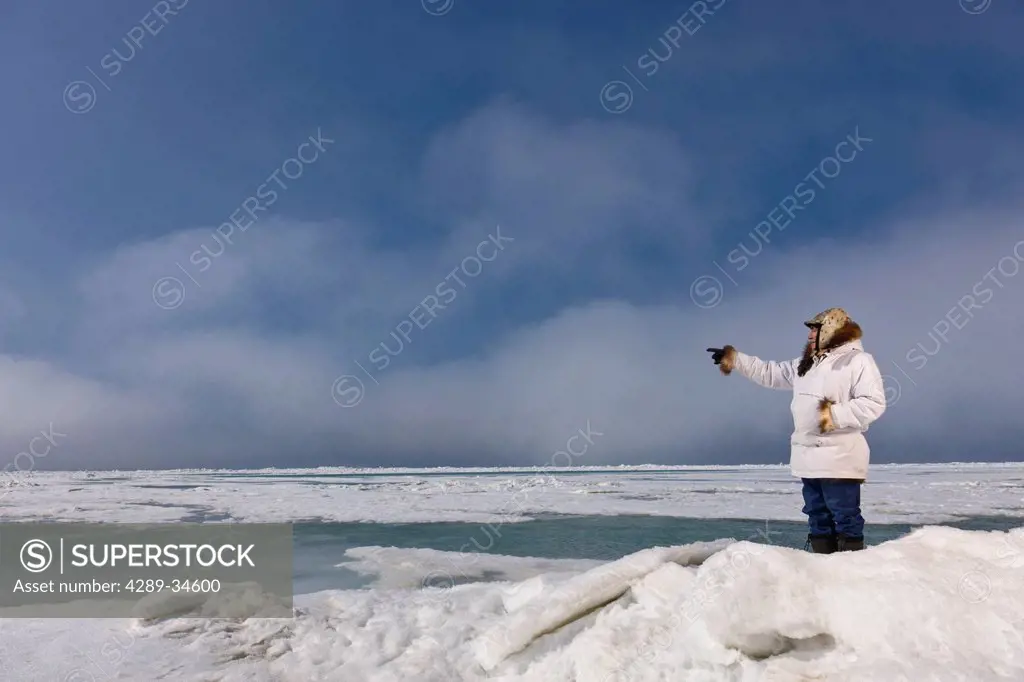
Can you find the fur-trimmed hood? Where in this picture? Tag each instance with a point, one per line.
(849, 332)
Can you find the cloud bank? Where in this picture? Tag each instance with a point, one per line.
(274, 242)
(532, 205)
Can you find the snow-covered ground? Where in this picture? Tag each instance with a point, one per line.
(893, 494)
(939, 604)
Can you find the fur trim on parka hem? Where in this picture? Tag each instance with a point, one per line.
(825, 422)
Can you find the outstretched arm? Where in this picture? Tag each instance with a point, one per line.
(767, 373)
(866, 403)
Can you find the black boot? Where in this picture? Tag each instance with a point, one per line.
(845, 544)
(822, 544)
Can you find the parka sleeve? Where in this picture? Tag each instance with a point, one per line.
(767, 373)
(867, 397)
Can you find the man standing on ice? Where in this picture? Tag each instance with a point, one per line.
(837, 394)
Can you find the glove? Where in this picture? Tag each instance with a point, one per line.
(725, 358)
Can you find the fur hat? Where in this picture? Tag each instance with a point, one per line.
(828, 323)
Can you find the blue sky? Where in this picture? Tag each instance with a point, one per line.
(437, 123)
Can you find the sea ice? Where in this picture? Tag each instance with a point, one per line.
(919, 493)
(939, 604)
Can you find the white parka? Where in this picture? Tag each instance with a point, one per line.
(845, 375)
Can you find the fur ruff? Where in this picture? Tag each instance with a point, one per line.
(850, 331)
(728, 360)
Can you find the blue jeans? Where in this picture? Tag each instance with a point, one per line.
(832, 506)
